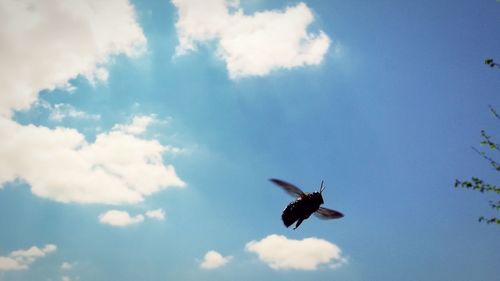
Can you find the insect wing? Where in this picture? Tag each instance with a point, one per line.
(327, 214)
(288, 187)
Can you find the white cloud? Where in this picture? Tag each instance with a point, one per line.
(34, 251)
(251, 45)
(49, 248)
(7, 263)
(46, 43)
(119, 218)
(65, 278)
(29, 253)
(138, 125)
(61, 165)
(122, 218)
(21, 259)
(213, 259)
(158, 214)
(279, 252)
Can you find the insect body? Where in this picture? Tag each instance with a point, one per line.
(305, 205)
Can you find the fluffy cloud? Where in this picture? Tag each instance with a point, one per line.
(119, 218)
(213, 259)
(158, 214)
(251, 44)
(21, 259)
(46, 43)
(61, 165)
(122, 218)
(280, 252)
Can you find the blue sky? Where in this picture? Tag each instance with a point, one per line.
(139, 137)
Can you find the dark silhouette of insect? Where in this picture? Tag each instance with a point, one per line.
(305, 205)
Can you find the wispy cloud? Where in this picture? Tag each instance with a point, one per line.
(250, 44)
(68, 265)
(21, 259)
(279, 252)
(158, 214)
(62, 111)
(214, 259)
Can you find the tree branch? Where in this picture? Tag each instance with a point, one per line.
(493, 163)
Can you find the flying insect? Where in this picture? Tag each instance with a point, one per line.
(305, 205)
